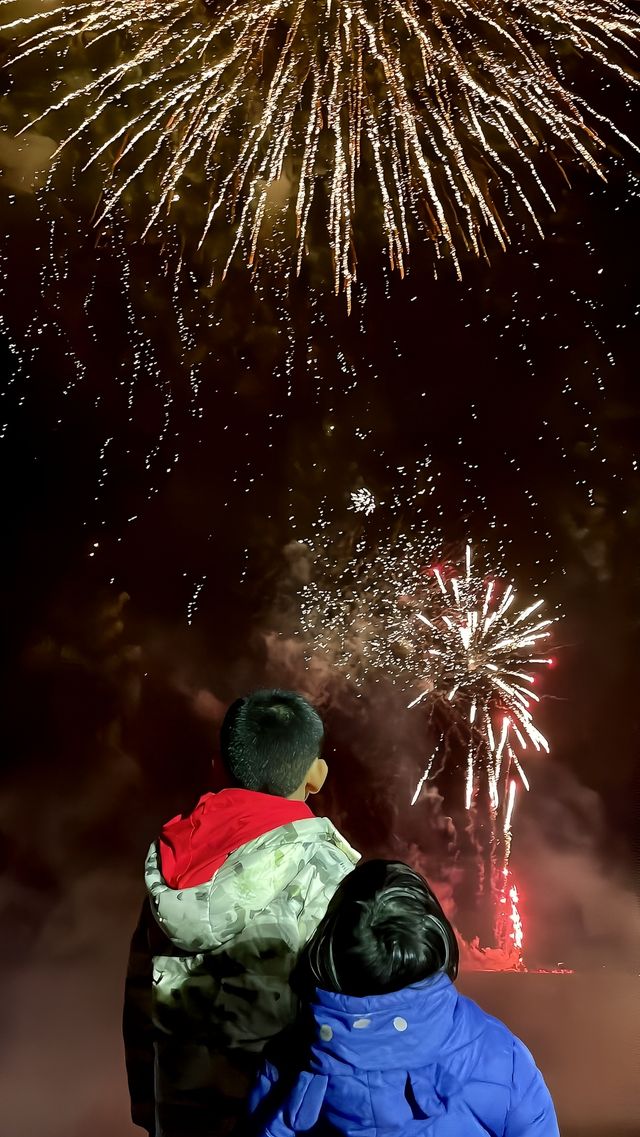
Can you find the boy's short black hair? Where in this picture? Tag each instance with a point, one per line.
(269, 740)
(384, 930)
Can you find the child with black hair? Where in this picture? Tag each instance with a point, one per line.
(235, 889)
(387, 1045)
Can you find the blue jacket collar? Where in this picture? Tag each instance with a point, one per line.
(396, 1028)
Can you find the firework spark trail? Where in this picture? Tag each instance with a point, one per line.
(449, 105)
(460, 642)
(475, 659)
(509, 930)
(474, 656)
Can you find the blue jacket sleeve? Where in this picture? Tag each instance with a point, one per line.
(296, 1111)
(531, 1113)
(267, 1079)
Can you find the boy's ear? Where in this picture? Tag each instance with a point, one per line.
(316, 777)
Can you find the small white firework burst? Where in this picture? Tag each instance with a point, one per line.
(363, 501)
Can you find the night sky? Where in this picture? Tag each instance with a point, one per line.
(167, 441)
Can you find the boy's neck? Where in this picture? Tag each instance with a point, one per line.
(298, 795)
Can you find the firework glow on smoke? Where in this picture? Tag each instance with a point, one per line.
(458, 636)
(455, 109)
(479, 658)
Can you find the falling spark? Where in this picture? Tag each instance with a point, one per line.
(423, 779)
(349, 608)
(192, 606)
(452, 110)
(510, 804)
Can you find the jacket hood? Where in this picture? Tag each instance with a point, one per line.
(192, 848)
(421, 1062)
(382, 1032)
(208, 916)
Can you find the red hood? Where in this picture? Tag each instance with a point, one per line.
(192, 848)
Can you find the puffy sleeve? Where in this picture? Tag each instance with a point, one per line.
(531, 1113)
(279, 1109)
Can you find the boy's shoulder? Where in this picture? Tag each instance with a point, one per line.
(286, 857)
(308, 833)
(287, 873)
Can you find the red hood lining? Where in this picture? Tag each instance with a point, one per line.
(194, 847)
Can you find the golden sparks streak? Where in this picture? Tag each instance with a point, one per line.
(450, 105)
(432, 97)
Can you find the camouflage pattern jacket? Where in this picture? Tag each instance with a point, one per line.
(208, 977)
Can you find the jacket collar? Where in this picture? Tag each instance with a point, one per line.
(371, 1032)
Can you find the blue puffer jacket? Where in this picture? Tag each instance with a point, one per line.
(422, 1061)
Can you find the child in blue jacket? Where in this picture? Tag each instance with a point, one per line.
(386, 1045)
